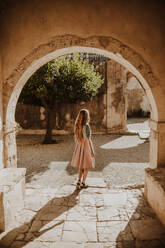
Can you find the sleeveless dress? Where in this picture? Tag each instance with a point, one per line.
(83, 155)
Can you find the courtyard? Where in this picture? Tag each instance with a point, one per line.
(120, 159)
(111, 213)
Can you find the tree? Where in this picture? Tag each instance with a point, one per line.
(63, 80)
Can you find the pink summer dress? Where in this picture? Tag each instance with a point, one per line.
(83, 155)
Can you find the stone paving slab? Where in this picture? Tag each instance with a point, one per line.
(25, 216)
(93, 190)
(59, 213)
(35, 244)
(82, 214)
(111, 213)
(52, 235)
(104, 245)
(83, 226)
(96, 217)
(65, 190)
(115, 199)
(97, 183)
(87, 200)
(35, 203)
(68, 245)
(114, 231)
(72, 236)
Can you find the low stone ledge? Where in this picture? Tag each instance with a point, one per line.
(12, 193)
(155, 191)
(10, 176)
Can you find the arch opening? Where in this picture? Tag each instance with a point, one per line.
(10, 156)
(10, 114)
(79, 49)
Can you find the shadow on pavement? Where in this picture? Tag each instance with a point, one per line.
(51, 211)
(143, 228)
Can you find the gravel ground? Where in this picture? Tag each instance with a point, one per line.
(120, 160)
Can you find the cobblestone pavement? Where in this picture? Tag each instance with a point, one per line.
(96, 217)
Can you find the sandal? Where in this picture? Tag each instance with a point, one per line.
(84, 186)
(78, 186)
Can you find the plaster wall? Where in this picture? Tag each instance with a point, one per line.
(136, 98)
(26, 25)
(34, 117)
(116, 109)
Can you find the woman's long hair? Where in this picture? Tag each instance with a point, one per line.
(81, 120)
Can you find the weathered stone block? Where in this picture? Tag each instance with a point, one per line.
(12, 192)
(155, 191)
(145, 229)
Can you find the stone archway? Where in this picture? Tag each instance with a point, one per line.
(62, 45)
(107, 46)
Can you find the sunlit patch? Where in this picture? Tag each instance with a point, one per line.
(55, 164)
(139, 127)
(123, 142)
(126, 164)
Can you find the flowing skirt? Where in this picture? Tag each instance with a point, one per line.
(83, 155)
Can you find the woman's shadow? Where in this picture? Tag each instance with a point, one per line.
(51, 211)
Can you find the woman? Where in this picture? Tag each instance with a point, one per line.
(83, 156)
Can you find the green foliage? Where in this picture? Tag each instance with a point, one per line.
(63, 80)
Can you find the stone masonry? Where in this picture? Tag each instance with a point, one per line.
(96, 217)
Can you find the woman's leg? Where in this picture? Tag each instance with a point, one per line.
(85, 175)
(80, 174)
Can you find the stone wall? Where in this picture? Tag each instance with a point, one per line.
(108, 110)
(137, 103)
(33, 117)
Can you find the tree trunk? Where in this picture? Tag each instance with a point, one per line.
(49, 127)
(59, 124)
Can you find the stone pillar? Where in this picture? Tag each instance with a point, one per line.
(10, 149)
(155, 175)
(116, 104)
(12, 194)
(157, 144)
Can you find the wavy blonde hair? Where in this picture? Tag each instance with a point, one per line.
(82, 119)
